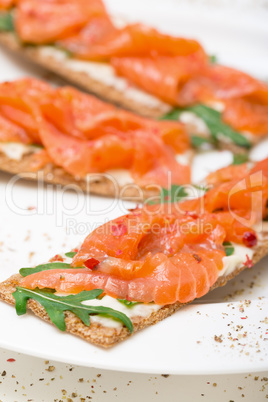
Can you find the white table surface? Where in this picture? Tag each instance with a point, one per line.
(30, 379)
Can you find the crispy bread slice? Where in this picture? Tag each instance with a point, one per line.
(99, 184)
(106, 336)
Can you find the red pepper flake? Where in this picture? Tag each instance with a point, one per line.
(119, 229)
(248, 263)
(91, 263)
(249, 239)
(135, 211)
(11, 360)
(118, 252)
(56, 257)
(197, 258)
(167, 197)
(191, 214)
(244, 318)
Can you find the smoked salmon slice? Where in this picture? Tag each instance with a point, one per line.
(10, 132)
(85, 135)
(7, 4)
(156, 253)
(138, 40)
(46, 21)
(174, 69)
(247, 115)
(93, 32)
(227, 173)
(162, 76)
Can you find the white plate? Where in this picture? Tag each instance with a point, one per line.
(183, 343)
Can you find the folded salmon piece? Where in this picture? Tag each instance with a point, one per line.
(176, 70)
(162, 76)
(138, 40)
(185, 80)
(7, 4)
(161, 253)
(249, 113)
(49, 20)
(244, 189)
(93, 32)
(85, 135)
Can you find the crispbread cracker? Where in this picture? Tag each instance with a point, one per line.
(106, 336)
(99, 185)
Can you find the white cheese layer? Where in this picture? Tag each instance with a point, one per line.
(194, 123)
(138, 310)
(260, 151)
(236, 260)
(105, 73)
(16, 150)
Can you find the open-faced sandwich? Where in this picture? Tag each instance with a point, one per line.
(139, 268)
(61, 135)
(138, 67)
(64, 136)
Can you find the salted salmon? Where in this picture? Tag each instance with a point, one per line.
(85, 135)
(19, 104)
(87, 117)
(93, 32)
(7, 4)
(160, 253)
(10, 132)
(247, 115)
(138, 40)
(247, 192)
(222, 82)
(227, 173)
(176, 70)
(162, 286)
(162, 76)
(44, 22)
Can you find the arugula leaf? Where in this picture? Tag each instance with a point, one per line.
(213, 120)
(238, 159)
(128, 303)
(56, 305)
(229, 248)
(213, 59)
(197, 141)
(71, 254)
(174, 194)
(172, 115)
(45, 267)
(202, 188)
(6, 22)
